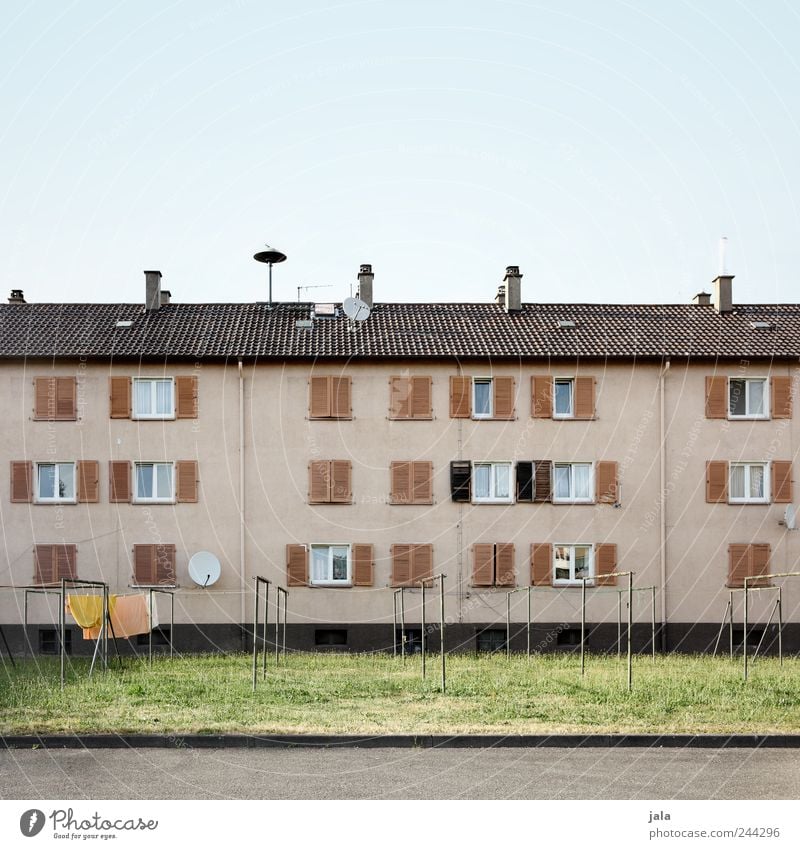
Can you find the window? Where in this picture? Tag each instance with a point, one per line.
(571, 563)
(493, 564)
(329, 397)
(747, 398)
(153, 398)
(413, 640)
(328, 637)
(573, 482)
(49, 641)
(154, 482)
(748, 483)
(55, 482)
(410, 398)
(492, 483)
(154, 565)
(330, 565)
(482, 397)
(491, 640)
(411, 482)
(562, 398)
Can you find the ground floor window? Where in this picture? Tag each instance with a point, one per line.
(571, 563)
(330, 564)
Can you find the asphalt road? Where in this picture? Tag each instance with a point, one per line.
(630, 773)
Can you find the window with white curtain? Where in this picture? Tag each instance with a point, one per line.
(153, 398)
(330, 564)
(491, 482)
(749, 483)
(573, 482)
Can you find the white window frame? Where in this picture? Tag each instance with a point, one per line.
(573, 581)
(493, 499)
(572, 499)
(490, 382)
(73, 499)
(571, 413)
(153, 395)
(348, 582)
(750, 416)
(747, 499)
(140, 499)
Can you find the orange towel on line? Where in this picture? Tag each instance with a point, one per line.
(87, 610)
(129, 617)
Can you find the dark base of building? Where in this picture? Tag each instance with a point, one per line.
(42, 640)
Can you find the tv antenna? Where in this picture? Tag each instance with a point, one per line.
(270, 256)
(356, 311)
(304, 288)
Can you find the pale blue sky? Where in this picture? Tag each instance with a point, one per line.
(602, 146)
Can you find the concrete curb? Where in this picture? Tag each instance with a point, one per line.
(400, 741)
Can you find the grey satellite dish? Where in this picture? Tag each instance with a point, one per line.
(355, 309)
(204, 568)
(790, 517)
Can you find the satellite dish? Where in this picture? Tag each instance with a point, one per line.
(355, 309)
(790, 517)
(204, 568)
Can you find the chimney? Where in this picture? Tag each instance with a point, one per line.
(16, 297)
(165, 296)
(365, 278)
(723, 293)
(702, 299)
(500, 297)
(152, 290)
(513, 281)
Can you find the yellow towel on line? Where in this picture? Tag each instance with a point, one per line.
(87, 610)
(129, 618)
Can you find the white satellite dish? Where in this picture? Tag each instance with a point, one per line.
(204, 568)
(790, 517)
(356, 309)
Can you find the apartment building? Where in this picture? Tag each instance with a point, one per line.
(504, 444)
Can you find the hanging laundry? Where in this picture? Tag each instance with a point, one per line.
(87, 610)
(129, 618)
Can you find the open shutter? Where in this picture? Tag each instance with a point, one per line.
(88, 481)
(605, 563)
(716, 481)
(44, 398)
(164, 564)
(65, 561)
(460, 397)
(542, 397)
(319, 398)
(421, 563)
(341, 407)
(543, 474)
(296, 565)
(422, 482)
(584, 397)
(738, 564)
(186, 397)
(119, 481)
(119, 392)
(363, 565)
(759, 564)
(607, 482)
(341, 490)
(399, 397)
(21, 481)
(541, 564)
(524, 480)
(186, 471)
(44, 569)
(319, 482)
(504, 564)
(716, 397)
(504, 392)
(460, 480)
(482, 564)
(144, 564)
(421, 398)
(401, 565)
(401, 482)
(781, 397)
(66, 399)
(781, 481)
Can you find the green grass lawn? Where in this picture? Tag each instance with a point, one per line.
(378, 694)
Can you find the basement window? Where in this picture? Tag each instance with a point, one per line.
(491, 640)
(49, 641)
(330, 637)
(413, 640)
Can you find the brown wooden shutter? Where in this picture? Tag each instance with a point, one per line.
(119, 392)
(66, 399)
(341, 490)
(144, 564)
(607, 483)
(319, 482)
(21, 481)
(399, 398)
(363, 565)
(422, 482)
(482, 564)
(88, 481)
(44, 564)
(421, 398)
(716, 481)
(186, 397)
(503, 388)
(716, 397)
(341, 407)
(544, 480)
(541, 564)
(421, 563)
(319, 398)
(164, 564)
(738, 564)
(605, 562)
(401, 482)
(584, 397)
(119, 481)
(781, 397)
(504, 564)
(542, 397)
(460, 397)
(65, 560)
(401, 565)
(187, 480)
(781, 481)
(44, 398)
(759, 564)
(296, 565)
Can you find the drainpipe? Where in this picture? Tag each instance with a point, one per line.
(242, 576)
(663, 510)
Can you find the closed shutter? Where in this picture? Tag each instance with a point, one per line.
(605, 563)
(543, 473)
(421, 398)
(541, 564)
(363, 565)
(584, 397)
(341, 407)
(482, 564)
(504, 564)
(341, 491)
(319, 398)
(524, 480)
(401, 482)
(164, 555)
(716, 481)
(781, 397)
(460, 480)
(187, 484)
(607, 483)
(119, 392)
(186, 397)
(400, 398)
(401, 565)
(44, 564)
(759, 564)
(781, 481)
(422, 482)
(119, 481)
(460, 397)
(503, 388)
(56, 398)
(21, 481)
(738, 564)
(144, 564)
(88, 481)
(319, 482)
(296, 565)
(716, 397)
(421, 563)
(542, 397)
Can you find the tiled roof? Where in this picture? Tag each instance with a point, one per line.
(215, 330)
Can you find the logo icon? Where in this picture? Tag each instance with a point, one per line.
(31, 822)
